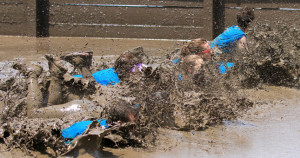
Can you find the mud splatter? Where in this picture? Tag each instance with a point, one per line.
(160, 98)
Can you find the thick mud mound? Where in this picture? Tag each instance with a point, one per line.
(191, 104)
(276, 50)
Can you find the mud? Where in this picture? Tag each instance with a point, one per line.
(276, 52)
(167, 103)
(163, 102)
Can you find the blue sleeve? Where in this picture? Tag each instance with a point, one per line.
(106, 77)
(225, 40)
(79, 127)
(75, 130)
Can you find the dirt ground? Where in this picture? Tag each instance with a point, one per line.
(27, 47)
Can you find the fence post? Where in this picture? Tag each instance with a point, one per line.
(42, 18)
(31, 18)
(208, 8)
(218, 17)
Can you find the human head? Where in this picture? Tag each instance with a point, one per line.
(244, 17)
(124, 64)
(196, 46)
(191, 64)
(129, 59)
(123, 113)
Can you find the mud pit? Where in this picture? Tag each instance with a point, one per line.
(164, 103)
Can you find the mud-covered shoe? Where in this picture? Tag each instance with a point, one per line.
(79, 59)
(140, 54)
(56, 66)
(28, 69)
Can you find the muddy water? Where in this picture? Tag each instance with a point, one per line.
(270, 129)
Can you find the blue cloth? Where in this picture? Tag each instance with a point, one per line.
(226, 40)
(180, 77)
(175, 60)
(224, 67)
(105, 76)
(79, 127)
(136, 106)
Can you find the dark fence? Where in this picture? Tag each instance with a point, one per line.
(168, 19)
(129, 18)
(18, 17)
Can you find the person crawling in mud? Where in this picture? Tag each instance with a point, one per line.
(192, 57)
(234, 37)
(117, 114)
(87, 137)
(191, 64)
(198, 47)
(129, 62)
(36, 107)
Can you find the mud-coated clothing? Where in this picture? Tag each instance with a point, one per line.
(226, 41)
(105, 76)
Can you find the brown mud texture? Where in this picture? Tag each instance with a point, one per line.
(160, 98)
(273, 56)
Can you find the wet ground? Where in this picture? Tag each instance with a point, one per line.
(12, 47)
(270, 129)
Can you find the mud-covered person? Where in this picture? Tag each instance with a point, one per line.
(193, 55)
(122, 113)
(198, 47)
(58, 108)
(88, 139)
(234, 37)
(128, 63)
(131, 62)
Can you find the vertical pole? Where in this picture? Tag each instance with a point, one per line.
(208, 8)
(31, 18)
(42, 18)
(218, 17)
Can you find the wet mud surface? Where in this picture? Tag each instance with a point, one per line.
(269, 129)
(209, 114)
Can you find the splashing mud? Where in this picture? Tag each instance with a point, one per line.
(276, 51)
(161, 99)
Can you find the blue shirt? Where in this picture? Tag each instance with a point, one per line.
(226, 40)
(105, 76)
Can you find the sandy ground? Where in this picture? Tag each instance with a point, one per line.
(29, 47)
(270, 129)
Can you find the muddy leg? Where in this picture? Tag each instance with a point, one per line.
(75, 108)
(55, 91)
(81, 60)
(34, 96)
(57, 71)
